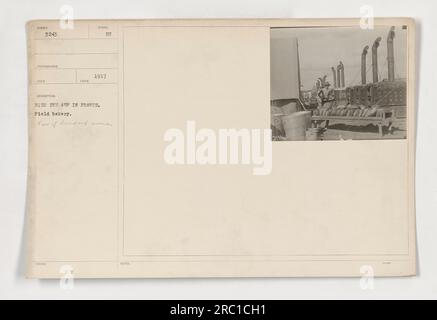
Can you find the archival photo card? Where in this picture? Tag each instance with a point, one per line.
(152, 153)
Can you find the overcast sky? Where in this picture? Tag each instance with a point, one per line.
(322, 48)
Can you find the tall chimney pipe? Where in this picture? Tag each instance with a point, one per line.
(342, 74)
(338, 76)
(334, 74)
(375, 59)
(390, 54)
(363, 65)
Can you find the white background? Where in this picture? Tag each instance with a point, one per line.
(13, 151)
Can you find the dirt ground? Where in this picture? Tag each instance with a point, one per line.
(338, 131)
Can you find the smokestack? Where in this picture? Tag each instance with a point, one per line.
(363, 65)
(390, 54)
(334, 74)
(375, 59)
(342, 74)
(338, 76)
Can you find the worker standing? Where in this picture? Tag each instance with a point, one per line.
(323, 95)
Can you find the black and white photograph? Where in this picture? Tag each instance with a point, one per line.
(338, 83)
